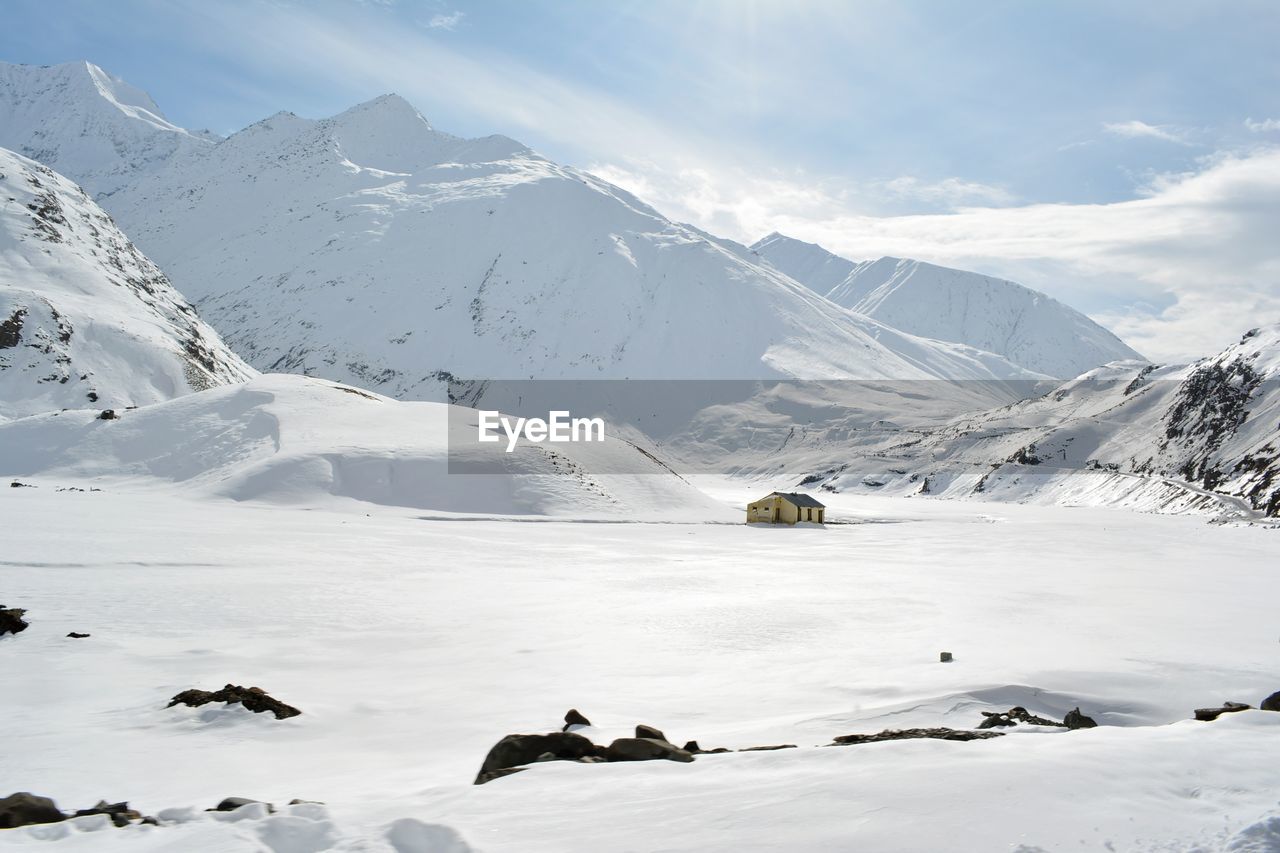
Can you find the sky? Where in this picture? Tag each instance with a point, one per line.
(1123, 158)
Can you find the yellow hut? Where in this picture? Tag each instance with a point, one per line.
(785, 508)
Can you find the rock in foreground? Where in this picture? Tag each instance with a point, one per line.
(11, 621)
(24, 809)
(910, 734)
(254, 698)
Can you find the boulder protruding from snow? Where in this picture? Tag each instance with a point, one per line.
(11, 621)
(254, 698)
(1076, 720)
(574, 717)
(514, 751)
(1272, 702)
(645, 749)
(1210, 714)
(24, 809)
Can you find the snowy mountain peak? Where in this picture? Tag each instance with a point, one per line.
(80, 120)
(808, 263)
(1025, 326)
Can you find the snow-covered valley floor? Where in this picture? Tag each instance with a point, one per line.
(412, 645)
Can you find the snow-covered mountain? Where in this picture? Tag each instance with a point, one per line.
(371, 248)
(1023, 325)
(1197, 437)
(85, 319)
(92, 127)
(807, 263)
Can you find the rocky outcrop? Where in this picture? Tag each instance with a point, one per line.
(573, 717)
(11, 621)
(911, 734)
(645, 749)
(1076, 720)
(24, 809)
(514, 751)
(1210, 714)
(254, 698)
(1271, 703)
(1013, 716)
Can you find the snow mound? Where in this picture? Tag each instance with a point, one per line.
(300, 441)
(85, 318)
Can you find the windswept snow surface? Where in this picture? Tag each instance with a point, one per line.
(1023, 325)
(85, 319)
(300, 441)
(413, 645)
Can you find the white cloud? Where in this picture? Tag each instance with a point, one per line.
(1140, 129)
(1266, 125)
(446, 22)
(952, 192)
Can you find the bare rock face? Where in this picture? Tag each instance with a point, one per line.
(513, 751)
(1272, 702)
(909, 734)
(254, 698)
(24, 809)
(11, 621)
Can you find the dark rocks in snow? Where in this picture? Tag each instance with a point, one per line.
(1013, 716)
(768, 748)
(1210, 714)
(75, 635)
(573, 717)
(645, 749)
(911, 734)
(516, 750)
(11, 621)
(120, 813)
(643, 731)
(24, 809)
(945, 657)
(1272, 702)
(230, 804)
(16, 485)
(1076, 720)
(254, 698)
(108, 415)
(693, 748)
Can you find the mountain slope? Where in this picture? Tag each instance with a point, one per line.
(1201, 437)
(85, 319)
(1023, 325)
(372, 249)
(88, 125)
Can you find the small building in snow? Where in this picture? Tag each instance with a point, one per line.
(785, 508)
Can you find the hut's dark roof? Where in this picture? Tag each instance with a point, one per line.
(801, 500)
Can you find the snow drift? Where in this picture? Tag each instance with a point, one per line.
(297, 440)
